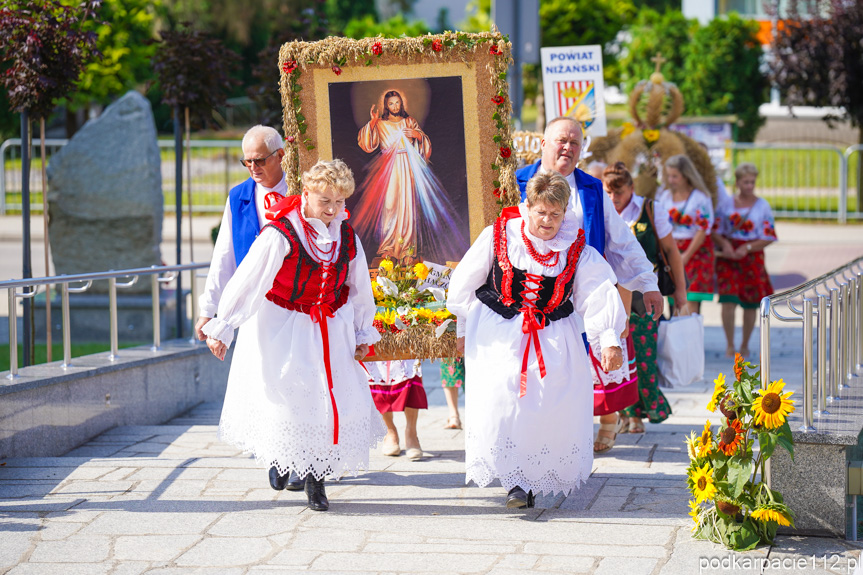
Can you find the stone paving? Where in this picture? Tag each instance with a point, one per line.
(172, 500)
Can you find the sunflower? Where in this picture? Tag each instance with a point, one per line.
(773, 406)
(691, 446)
(651, 135)
(694, 510)
(703, 443)
(738, 366)
(703, 487)
(773, 512)
(731, 437)
(718, 392)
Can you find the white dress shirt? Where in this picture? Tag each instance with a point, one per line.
(224, 263)
(622, 250)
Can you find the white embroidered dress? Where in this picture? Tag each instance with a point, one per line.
(542, 441)
(277, 404)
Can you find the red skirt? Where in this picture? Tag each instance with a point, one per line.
(743, 281)
(699, 269)
(396, 397)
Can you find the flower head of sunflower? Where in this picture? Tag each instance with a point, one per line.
(703, 487)
(773, 406)
(776, 512)
(692, 446)
(718, 392)
(731, 437)
(704, 444)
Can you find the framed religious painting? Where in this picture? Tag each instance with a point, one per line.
(423, 123)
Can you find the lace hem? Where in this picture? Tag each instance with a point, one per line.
(483, 473)
(219, 329)
(305, 448)
(367, 335)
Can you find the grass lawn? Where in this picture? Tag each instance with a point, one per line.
(78, 349)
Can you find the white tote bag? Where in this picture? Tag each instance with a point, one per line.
(680, 350)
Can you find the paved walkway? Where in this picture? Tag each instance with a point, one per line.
(171, 499)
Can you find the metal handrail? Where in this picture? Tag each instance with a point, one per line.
(32, 287)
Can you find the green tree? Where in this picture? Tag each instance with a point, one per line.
(478, 16)
(652, 33)
(122, 39)
(395, 27)
(340, 12)
(583, 22)
(723, 73)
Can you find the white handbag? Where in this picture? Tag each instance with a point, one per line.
(680, 350)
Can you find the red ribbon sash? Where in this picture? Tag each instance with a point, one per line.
(533, 321)
(319, 314)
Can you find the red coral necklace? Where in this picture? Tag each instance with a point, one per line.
(323, 256)
(548, 260)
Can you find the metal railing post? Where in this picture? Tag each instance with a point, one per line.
(843, 189)
(193, 279)
(112, 314)
(807, 366)
(851, 317)
(13, 334)
(835, 372)
(823, 383)
(844, 335)
(67, 336)
(765, 366)
(859, 364)
(157, 313)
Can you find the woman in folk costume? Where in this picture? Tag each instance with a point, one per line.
(398, 386)
(297, 397)
(516, 293)
(402, 204)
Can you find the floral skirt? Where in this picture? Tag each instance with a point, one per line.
(699, 270)
(452, 372)
(651, 404)
(743, 281)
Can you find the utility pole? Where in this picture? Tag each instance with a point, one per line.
(520, 20)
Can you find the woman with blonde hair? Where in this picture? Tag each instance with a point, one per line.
(297, 397)
(746, 227)
(690, 211)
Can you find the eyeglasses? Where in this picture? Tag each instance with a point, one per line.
(257, 161)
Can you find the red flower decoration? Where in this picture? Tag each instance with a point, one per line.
(437, 45)
(289, 139)
(674, 213)
(495, 51)
(769, 230)
(505, 152)
(686, 220)
(748, 226)
(289, 66)
(337, 70)
(497, 192)
(377, 49)
(499, 100)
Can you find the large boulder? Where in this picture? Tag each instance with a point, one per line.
(105, 193)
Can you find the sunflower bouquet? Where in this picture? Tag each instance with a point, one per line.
(732, 505)
(407, 302)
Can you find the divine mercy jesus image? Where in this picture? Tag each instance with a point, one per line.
(403, 207)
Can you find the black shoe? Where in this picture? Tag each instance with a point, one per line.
(295, 483)
(277, 481)
(316, 494)
(517, 498)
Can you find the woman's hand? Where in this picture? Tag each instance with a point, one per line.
(625, 330)
(680, 304)
(218, 348)
(361, 351)
(612, 358)
(741, 252)
(459, 345)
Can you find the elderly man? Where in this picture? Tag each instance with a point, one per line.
(241, 224)
(604, 229)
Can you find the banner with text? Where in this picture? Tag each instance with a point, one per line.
(573, 85)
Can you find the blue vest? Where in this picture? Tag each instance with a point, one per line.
(244, 218)
(590, 194)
